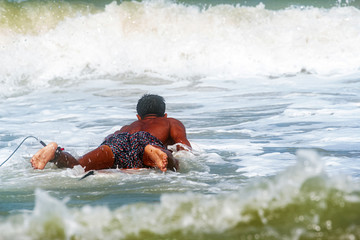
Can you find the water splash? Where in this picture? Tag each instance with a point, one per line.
(301, 202)
(167, 39)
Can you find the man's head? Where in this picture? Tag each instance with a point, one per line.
(151, 104)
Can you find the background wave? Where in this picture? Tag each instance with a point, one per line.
(43, 44)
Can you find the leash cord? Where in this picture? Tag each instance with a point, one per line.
(37, 139)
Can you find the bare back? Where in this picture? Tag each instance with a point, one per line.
(168, 130)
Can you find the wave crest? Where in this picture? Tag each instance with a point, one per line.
(171, 39)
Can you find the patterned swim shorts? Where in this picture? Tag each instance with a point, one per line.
(128, 149)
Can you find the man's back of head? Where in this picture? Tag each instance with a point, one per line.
(151, 104)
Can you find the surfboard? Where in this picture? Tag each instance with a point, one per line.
(116, 171)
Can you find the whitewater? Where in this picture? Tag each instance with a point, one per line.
(268, 93)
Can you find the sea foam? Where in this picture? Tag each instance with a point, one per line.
(163, 38)
(300, 201)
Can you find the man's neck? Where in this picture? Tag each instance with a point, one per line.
(149, 116)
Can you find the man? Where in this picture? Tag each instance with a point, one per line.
(143, 143)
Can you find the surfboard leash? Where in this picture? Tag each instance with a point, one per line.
(37, 139)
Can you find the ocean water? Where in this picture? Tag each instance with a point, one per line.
(269, 93)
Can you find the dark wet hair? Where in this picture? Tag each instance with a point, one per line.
(151, 104)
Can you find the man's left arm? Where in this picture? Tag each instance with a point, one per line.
(178, 133)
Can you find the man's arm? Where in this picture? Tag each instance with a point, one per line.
(178, 133)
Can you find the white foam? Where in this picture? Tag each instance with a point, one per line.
(172, 39)
(187, 213)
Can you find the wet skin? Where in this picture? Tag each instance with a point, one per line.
(168, 130)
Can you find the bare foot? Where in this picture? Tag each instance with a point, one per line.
(157, 156)
(43, 156)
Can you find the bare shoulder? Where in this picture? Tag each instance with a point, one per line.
(176, 127)
(124, 128)
(131, 128)
(175, 122)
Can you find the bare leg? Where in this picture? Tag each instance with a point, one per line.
(100, 158)
(65, 160)
(47, 154)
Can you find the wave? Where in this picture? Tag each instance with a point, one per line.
(46, 42)
(303, 202)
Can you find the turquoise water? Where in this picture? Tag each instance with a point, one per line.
(268, 92)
